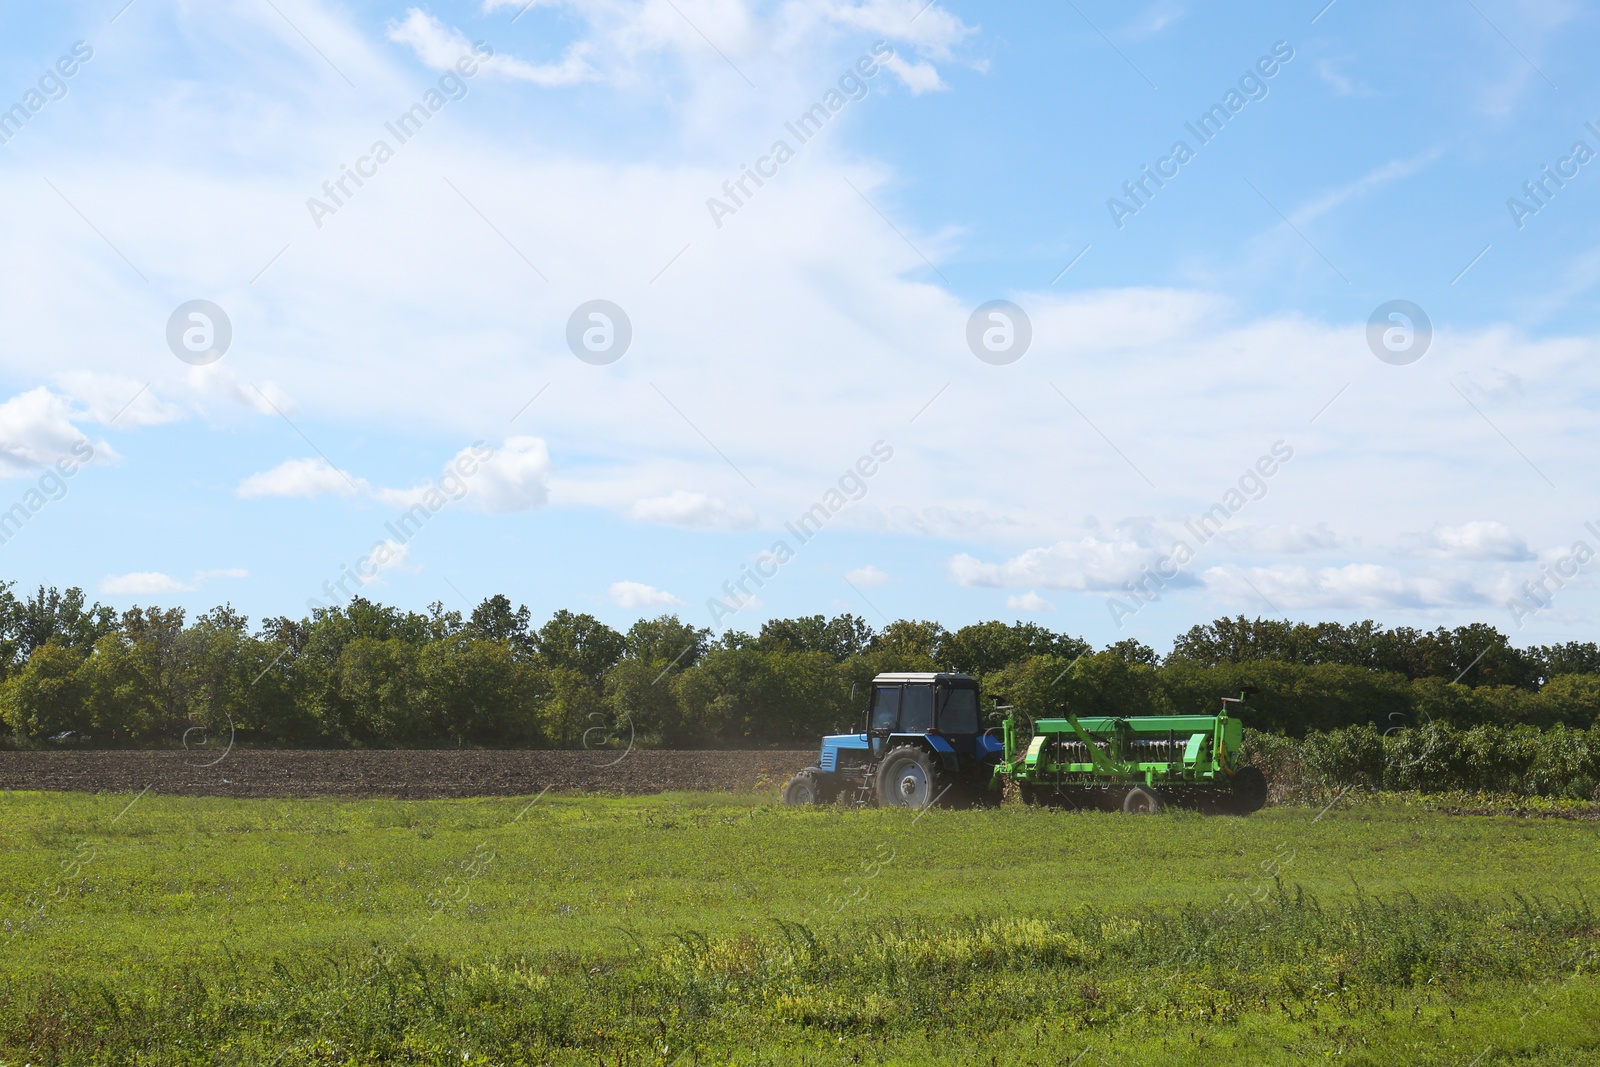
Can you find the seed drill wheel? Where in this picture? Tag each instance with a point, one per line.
(1249, 790)
(1046, 796)
(1141, 801)
(909, 778)
(803, 789)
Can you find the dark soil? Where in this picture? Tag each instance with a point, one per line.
(410, 774)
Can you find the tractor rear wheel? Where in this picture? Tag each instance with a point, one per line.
(909, 777)
(1249, 790)
(803, 789)
(1141, 801)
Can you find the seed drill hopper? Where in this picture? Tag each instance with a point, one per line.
(1137, 763)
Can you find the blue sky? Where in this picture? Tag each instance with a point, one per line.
(775, 343)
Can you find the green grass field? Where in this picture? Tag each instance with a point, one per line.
(705, 929)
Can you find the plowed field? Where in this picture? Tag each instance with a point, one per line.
(410, 774)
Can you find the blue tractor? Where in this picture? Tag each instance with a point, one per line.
(924, 744)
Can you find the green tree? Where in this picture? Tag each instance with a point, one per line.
(1102, 683)
(215, 656)
(494, 620)
(904, 645)
(747, 695)
(666, 640)
(476, 691)
(49, 617)
(154, 642)
(1572, 699)
(1290, 698)
(580, 643)
(380, 683)
(121, 690)
(573, 705)
(46, 698)
(1133, 651)
(642, 697)
(839, 638)
(986, 647)
(1572, 657)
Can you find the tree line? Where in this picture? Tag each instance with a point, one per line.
(367, 674)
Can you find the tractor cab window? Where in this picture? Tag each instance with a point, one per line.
(885, 706)
(958, 711)
(916, 714)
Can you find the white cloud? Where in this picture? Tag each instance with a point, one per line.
(1287, 539)
(142, 583)
(930, 29)
(515, 478)
(1392, 171)
(150, 583)
(868, 576)
(1156, 18)
(1029, 602)
(391, 555)
(1122, 319)
(617, 38)
(918, 77)
(636, 595)
(1340, 84)
(302, 478)
(1491, 384)
(694, 511)
(1479, 540)
(745, 602)
(36, 430)
(1364, 586)
(1089, 563)
(263, 397)
(439, 47)
(113, 399)
(403, 498)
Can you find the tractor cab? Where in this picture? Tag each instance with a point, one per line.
(938, 709)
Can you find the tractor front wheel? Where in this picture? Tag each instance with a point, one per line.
(803, 789)
(909, 777)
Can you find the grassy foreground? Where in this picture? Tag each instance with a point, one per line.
(699, 929)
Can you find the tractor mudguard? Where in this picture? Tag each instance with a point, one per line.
(933, 743)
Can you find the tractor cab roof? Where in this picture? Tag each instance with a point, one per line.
(923, 676)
